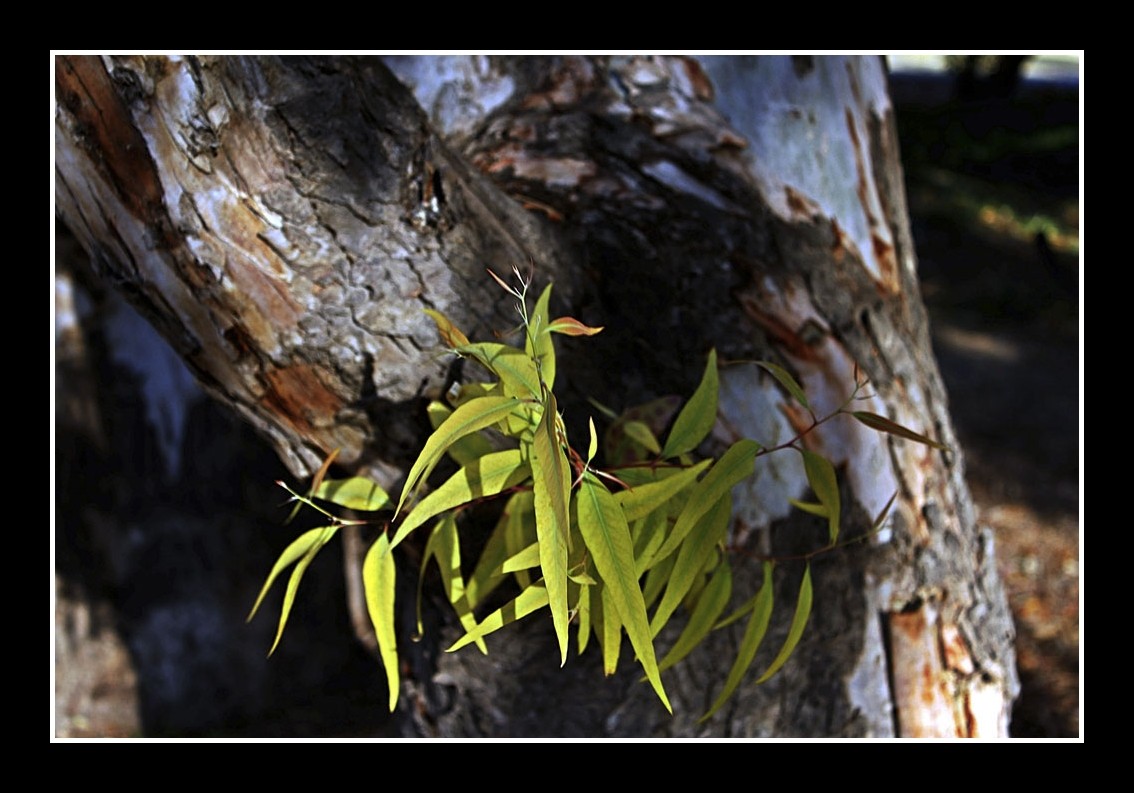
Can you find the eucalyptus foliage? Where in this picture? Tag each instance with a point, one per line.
(610, 550)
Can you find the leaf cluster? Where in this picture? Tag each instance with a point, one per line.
(607, 551)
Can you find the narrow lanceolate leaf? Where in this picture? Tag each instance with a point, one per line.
(531, 599)
(696, 419)
(640, 433)
(753, 636)
(882, 424)
(315, 482)
(569, 326)
(592, 446)
(798, 623)
(357, 493)
(709, 607)
(292, 553)
(695, 551)
(463, 450)
(487, 476)
(736, 464)
(515, 528)
(379, 579)
(470, 417)
(584, 617)
(787, 381)
(810, 508)
(551, 478)
(538, 344)
(446, 549)
(515, 368)
(297, 575)
(607, 537)
(821, 477)
(611, 631)
(524, 560)
(643, 499)
(450, 333)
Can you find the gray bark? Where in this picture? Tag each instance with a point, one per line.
(283, 221)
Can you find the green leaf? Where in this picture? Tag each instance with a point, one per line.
(735, 464)
(357, 493)
(821, 477)
(315, 482)
(524, 560)
(592, 447)
(449, 332)
(486, 476)
(292, 553)
(695, 551)
(463, 450)
(611, 627)
(379, 579)
(474, 415)
(531, 599)
(297, 575)
(648, 539)
(753, 637)
(514, 529)
(515, 368)
(584, 616)
(552, 487)
(640, 433)
(883, 424)
(569, 326)
(538, 344)
(643, 499)
(607, 537)
(446, 549)
(787, 381)
(697, 418)
(709, 606)
(798, 623)
(812, 509)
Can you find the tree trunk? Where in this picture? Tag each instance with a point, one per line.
(284, 221)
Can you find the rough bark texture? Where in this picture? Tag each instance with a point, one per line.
(284, 221)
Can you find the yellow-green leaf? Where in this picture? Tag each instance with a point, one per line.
(607, 537)
(446, 549)
(515, 368)
(315, 482)
(569, 326)
(592, 447)
(531, 599)
(292, 553)
(753, 636)
(810, 508)
(324, 537)
(786, 380)
(538, 343)
(463, 450)
(514, 530)
(357, 493)
(611, 627)
(450, 333)
(736, 464)
(696, 419)
(379, 578)
(485, 476)
(821, 477)
(798, 623)
(474, 415)
(584, 616)
(695, 551)
(552, 487)
(883, 424)
(643, 499)
(640, 433)
(709, 606)
(524, 560)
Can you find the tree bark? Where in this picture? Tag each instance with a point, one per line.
(284, 221)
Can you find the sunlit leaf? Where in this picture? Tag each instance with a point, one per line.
(531, 599)
(736, 464)
(486, 476)
(357, 493)
(296, 576)
(538, 344)
(569, 326)
(798, 623)
(315, 482)
(379, 578)
(810, 508)
(584, 617)
(607, 536)
(292, 553)
(695, 551)
(592, 446)
(638, 432)
(524, 560)
(657, 577)
(515, 368)
(468, 418)
(551, 478)
(515, 528)
(643, 499)
(463, 450)
(697, 418)
(883, 424)
(821, 477)
(449, 332)
(447, 551)
(709, 606)
(649, 539)
(787, 381)
(753, 637)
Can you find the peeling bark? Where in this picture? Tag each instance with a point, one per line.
(283, 221)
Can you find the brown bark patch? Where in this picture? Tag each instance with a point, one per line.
(921, 696)
(297, 393)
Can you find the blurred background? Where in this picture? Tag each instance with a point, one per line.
(148, 641)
